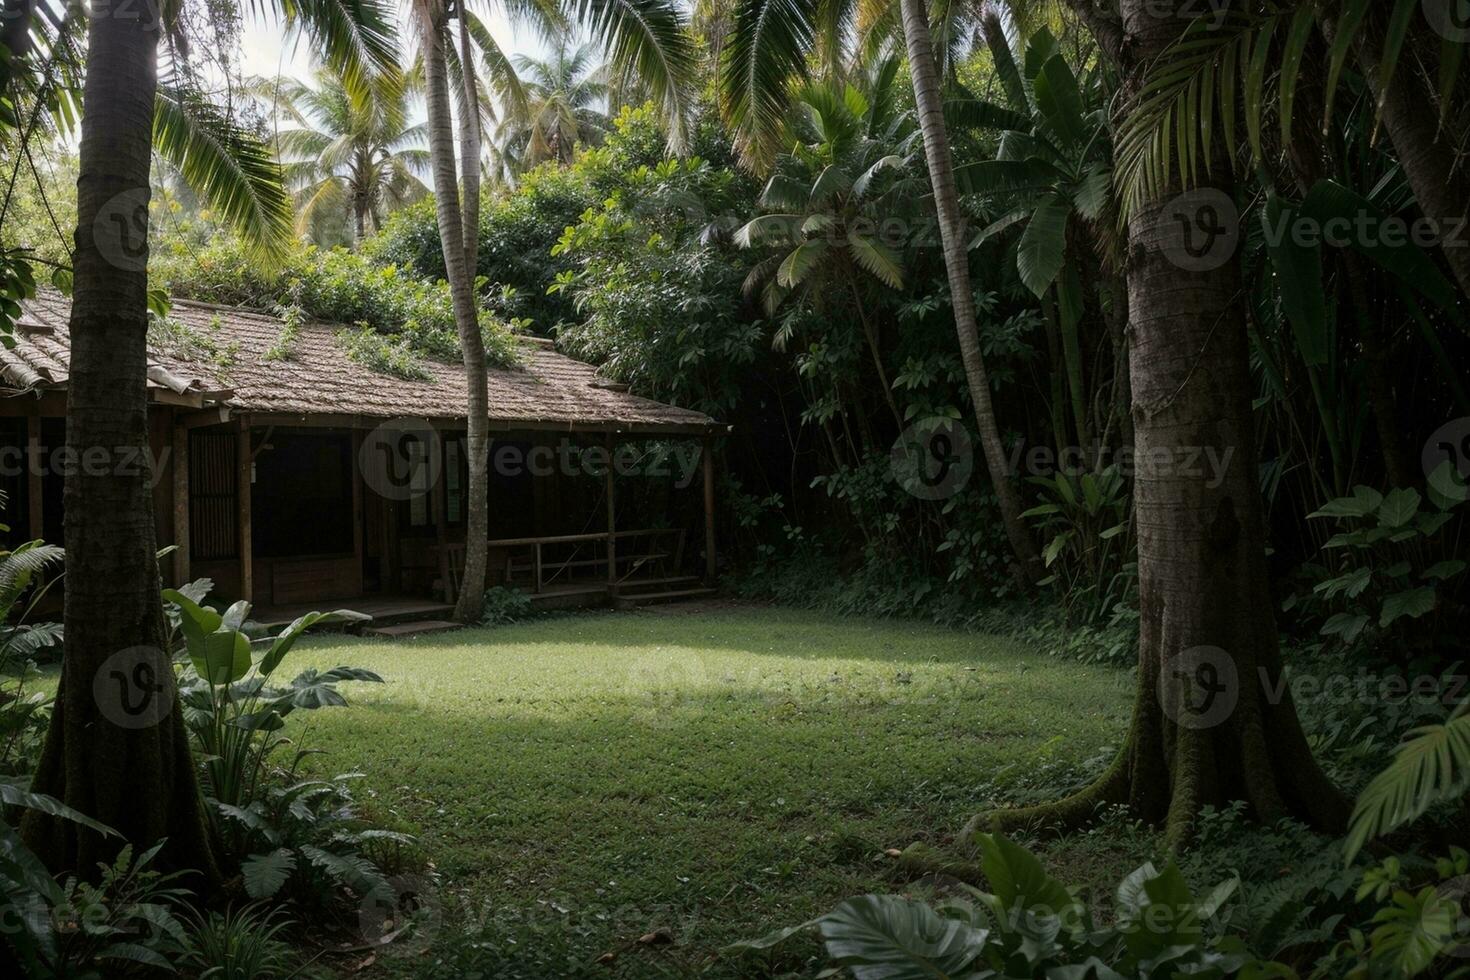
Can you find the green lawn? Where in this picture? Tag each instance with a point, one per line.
(582, 780)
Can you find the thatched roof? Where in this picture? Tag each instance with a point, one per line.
(551, 391)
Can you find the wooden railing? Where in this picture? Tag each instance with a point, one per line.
(572, 559)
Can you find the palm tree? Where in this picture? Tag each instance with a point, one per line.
(344, 158)
(771, 44)
(644, 39)
(1053, 166)
(830, 208)
(564, 95)
(1254, 58)
(1205, 727)
(459, 237)
(140, 780)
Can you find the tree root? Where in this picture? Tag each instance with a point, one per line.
(1070, 813)
(921, 859)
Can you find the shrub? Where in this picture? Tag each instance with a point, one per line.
(503, 606)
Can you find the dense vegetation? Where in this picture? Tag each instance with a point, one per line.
(1132, 330)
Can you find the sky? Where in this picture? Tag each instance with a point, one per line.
(265, 51)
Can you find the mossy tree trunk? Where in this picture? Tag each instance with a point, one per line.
(117, 749)
(1212, 722)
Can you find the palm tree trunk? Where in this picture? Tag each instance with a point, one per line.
(117, 749)
(1430, 160)
(477, 429)
(957, 262)
(1213, 721)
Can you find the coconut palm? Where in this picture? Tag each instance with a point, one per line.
(141, 781)
(773, 44)
(1053, 171)
(344, 158)
(829, 199)
(644, 39)
(564, 96)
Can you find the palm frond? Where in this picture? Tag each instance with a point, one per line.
(228, 166)
(765, 53)
(1432, 766)
(356, 38)
(647, 40)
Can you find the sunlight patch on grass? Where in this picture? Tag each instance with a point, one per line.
(580, 781)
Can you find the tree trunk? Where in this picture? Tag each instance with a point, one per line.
(477, 435)
(957, 263)
(117, 749)
(1212, 722)
(1431, 163)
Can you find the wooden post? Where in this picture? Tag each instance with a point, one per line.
(709, 510)
(359, 548)
(35, 490)
(612, 539)
(245, 464)
(181, 503)
(439, 502)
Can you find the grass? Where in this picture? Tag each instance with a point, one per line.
(582, 781)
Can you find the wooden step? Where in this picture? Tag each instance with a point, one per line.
(649, 598)
(639, 586)
(416, 628)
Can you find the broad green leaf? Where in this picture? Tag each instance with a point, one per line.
(1412, 603)
(283, 643)
(1043, 245)
(13, 795)
(224, 657)
(1346, 625)
(1399, 507)
(264, 874)
(1019, 880)
(885, 937)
